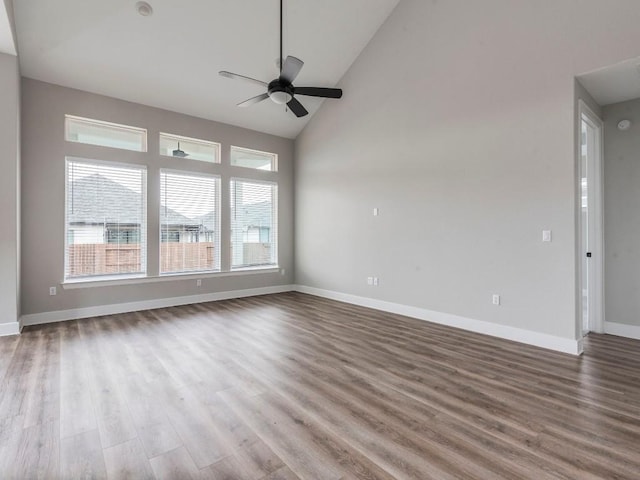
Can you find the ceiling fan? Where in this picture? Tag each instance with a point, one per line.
(180, 153)
(281, 90)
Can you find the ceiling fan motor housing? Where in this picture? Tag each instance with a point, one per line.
(280, 92)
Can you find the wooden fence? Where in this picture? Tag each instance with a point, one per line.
(184, 257)
(112, 258)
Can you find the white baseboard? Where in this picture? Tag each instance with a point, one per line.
(529, 337)
(622, 330)
(551, 342)
(11, 328)
(86, 312)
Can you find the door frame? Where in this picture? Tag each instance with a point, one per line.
(596, 274)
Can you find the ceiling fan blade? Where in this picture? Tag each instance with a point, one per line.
(319, 92)
(291, 69)
(296, 107)
(235, 76)
(254, 100)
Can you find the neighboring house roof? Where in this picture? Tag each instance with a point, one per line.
(258, 215)
(95, 195)
(175, 218)
(92, 196)
(208, 220)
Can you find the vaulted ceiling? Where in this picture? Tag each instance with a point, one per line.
(171, 59)
(7, 43)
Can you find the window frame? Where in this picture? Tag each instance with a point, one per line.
(144, 246)
(274, 225)
(150, 165)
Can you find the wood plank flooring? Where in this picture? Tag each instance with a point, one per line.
(291, 386)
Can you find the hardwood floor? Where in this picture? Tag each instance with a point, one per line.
(291, 386)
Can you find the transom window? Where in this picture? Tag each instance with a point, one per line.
(105, 134)
(189, 148)
(244, 157)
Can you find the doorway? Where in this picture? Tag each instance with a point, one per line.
(590, 250)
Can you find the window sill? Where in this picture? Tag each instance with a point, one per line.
(173, 277)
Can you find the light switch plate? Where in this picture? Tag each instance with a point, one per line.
(546, 235)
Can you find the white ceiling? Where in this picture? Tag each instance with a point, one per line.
(617, 83)
(172, 58)
(7, 44)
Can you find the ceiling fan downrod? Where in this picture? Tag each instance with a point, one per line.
(281, 36)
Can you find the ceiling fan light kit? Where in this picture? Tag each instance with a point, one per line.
(281, 90)
(279, 93)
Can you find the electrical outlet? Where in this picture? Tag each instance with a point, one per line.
(199, 282)
(375, 281)
(369, 280)
(546, 235)
(53, 291)
(496, 299)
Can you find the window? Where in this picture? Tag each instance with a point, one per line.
(190, 148)
(254, 234)
(243, 157)
(189, 222)
(105, 218)
(105, 134)
(116, 234)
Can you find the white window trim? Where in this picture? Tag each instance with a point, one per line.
(94, 282)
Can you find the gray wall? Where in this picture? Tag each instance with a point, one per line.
(622, 213)
(458, 122)
(43, 168)
(9, 190)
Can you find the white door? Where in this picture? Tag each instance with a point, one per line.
(591, 250)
